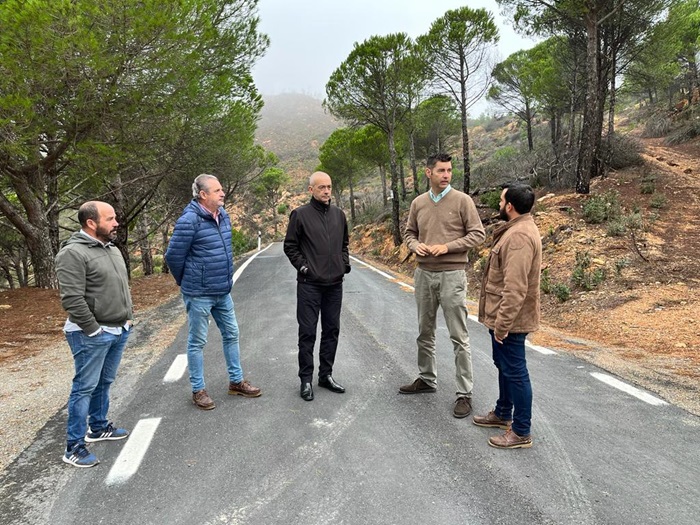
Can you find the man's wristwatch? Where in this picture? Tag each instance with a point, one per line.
(303, 270)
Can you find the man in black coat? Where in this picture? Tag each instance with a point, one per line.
(316, 244)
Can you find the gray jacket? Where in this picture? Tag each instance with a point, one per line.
(94, 283)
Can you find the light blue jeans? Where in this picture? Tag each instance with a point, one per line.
(96, 362)
(221, 309)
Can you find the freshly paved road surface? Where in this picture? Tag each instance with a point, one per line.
(369, 456)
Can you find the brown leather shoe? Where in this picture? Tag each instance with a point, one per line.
(462, 408)
(491, 420)
(244, 388)
(510, 440)
(202, 400)
(417, 387)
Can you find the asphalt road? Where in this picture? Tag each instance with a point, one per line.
(601, 455)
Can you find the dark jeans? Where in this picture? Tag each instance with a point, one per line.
(313, 299)
(514, 389)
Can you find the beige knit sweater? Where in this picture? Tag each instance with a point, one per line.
(452, 221)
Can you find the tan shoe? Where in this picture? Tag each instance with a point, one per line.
(417, 387)
(462, 408)
(202, 400)
(510, 440)
(244, 388)
(491, 420)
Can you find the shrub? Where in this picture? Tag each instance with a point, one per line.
(658, 201)
(616, 228)
(626, 152)
(647, 188)
(620, 264)
(600, 208)
(545, 282)
(561, 292)
(492, 199)
(241, 243)
(583, 275)
(634, 221)
(658, 125)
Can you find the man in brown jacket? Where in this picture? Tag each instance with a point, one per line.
(443, 224)
(509, 306)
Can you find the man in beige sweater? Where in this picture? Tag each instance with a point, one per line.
(443, 225)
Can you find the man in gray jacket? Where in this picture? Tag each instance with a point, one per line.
(95, 292)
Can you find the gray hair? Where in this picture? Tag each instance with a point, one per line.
(201, 183)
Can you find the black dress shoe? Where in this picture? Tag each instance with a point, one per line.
(306, 392)
(329, 383)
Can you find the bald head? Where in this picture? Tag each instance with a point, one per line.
(320, 186)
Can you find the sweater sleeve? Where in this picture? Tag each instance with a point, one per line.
(410, 236)
(474, 235)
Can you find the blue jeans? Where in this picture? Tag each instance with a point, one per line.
(514, 388)
(221, 309)
(96, 362)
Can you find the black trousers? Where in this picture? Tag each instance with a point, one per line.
(313, 300)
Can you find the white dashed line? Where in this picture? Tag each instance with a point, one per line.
(383, 274)
(177, 369)
(133, 452)
(647, 398)
(541, 349)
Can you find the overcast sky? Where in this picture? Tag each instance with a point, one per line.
(309, 39)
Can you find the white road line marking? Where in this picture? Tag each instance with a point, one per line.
(541, 349)
(647, 398)
(383, 274)
(177, 369)
(243, 266)
(133, 452)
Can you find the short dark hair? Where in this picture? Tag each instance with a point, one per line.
(521, 196)
(437, 157)
(88, 211)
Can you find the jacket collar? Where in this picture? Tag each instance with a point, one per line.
(319, 205)
(498, 232)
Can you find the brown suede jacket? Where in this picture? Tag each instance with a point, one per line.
(510, 288)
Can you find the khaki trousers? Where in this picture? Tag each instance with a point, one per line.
(447, 289)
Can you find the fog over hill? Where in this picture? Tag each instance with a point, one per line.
(294, 126)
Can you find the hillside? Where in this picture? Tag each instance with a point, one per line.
(293, 126)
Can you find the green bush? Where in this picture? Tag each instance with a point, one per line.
(241, 243)
(492, 199)
(634, 221)
(626, 152)
(621, 264)
(658, 201)
(600, 208)
(583, 275)
(647, 187)
(658, 125)
(545, 282)
(616, 228)
(561, 292)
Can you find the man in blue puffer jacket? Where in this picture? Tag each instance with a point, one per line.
(201, 260)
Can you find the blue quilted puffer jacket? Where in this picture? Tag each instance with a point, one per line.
(199, 254)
